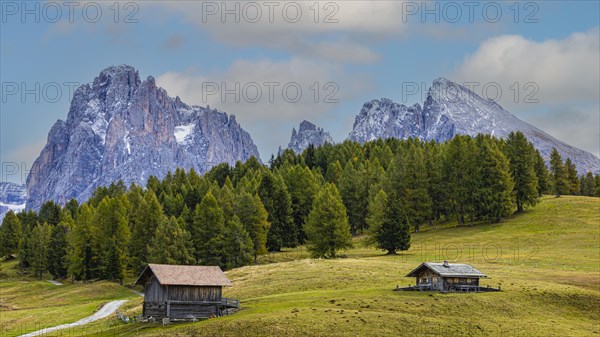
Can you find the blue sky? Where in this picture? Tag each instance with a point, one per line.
(354, 51)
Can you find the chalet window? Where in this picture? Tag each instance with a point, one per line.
(424, 280)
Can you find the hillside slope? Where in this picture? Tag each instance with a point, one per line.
(546, 261)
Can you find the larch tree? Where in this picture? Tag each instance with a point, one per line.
(521, 156)
(171, 244)
(558, 174)
(327, 227)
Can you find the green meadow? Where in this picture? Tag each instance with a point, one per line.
(546, 261)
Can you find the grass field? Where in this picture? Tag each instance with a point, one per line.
(547, 262)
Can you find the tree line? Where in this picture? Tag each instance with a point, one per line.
(231, 215)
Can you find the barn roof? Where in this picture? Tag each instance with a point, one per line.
(448, 270)
(185, 275)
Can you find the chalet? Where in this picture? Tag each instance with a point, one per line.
(184, 292)
(447, 277)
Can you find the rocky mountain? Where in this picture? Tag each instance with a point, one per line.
(12, 197)
(308, 134)
(120, 127)
(451, 109)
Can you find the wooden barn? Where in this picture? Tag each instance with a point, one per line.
(447, 277)
(184, 292)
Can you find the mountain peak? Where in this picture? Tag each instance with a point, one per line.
(121, 128)
(308, 134)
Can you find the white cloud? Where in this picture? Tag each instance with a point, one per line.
(270, 116)
(336, 31)
(565, 71)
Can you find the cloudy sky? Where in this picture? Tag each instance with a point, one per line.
(274, 64)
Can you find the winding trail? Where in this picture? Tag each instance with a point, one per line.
(107, 310)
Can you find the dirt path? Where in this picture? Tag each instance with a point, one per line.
(107, 310)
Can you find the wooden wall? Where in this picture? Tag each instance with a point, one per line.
(180, 302)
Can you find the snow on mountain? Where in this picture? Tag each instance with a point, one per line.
(308, 134)
(451, 109)
(12, 197)
(120, 127)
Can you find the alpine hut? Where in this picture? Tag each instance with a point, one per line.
(447, 277)
(183, 292)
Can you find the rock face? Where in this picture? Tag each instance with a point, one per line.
(12, 197)
(120, 127)
(308, 134)
(451, 109)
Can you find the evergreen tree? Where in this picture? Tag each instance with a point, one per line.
(49, 213)
(459, 174)
(588, 185)
(352, 188)
(238, 246)
(82, 254)
(494, 190)
(376, 216)
(415, 195)
(521, 156)
(334, 172)
(171, 244)
(144, 221)
(10, 234)
(276, 199)
(389, 231)
(57, 255)
(327, 227)
(208, 231)
(542, 174)
(572, 177)
(558, 174)
(254, 217)
(114, 235)
(302, 186)
(39, 244)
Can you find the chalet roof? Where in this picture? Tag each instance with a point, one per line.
(185, 275)
(448, 270)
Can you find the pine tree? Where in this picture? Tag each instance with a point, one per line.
(208, 231)
(273, 193)
(237, 246)
(390, 231)
(113, 237)
(302, 186)
(254, 217)
(145, 219)
(572, 177)
(39, 244)
(49, 213)
(352, 188)
(415, 195)
(494, 190)
(542, 174)
(558, 174)
(521, 156)
(327, 227)
(82, 252)
(171, 244)
(459, 173)
(588, 185)
(57, 255)
(10, 234)
(376, 216)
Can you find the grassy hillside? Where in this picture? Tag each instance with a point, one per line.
(546, 261)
